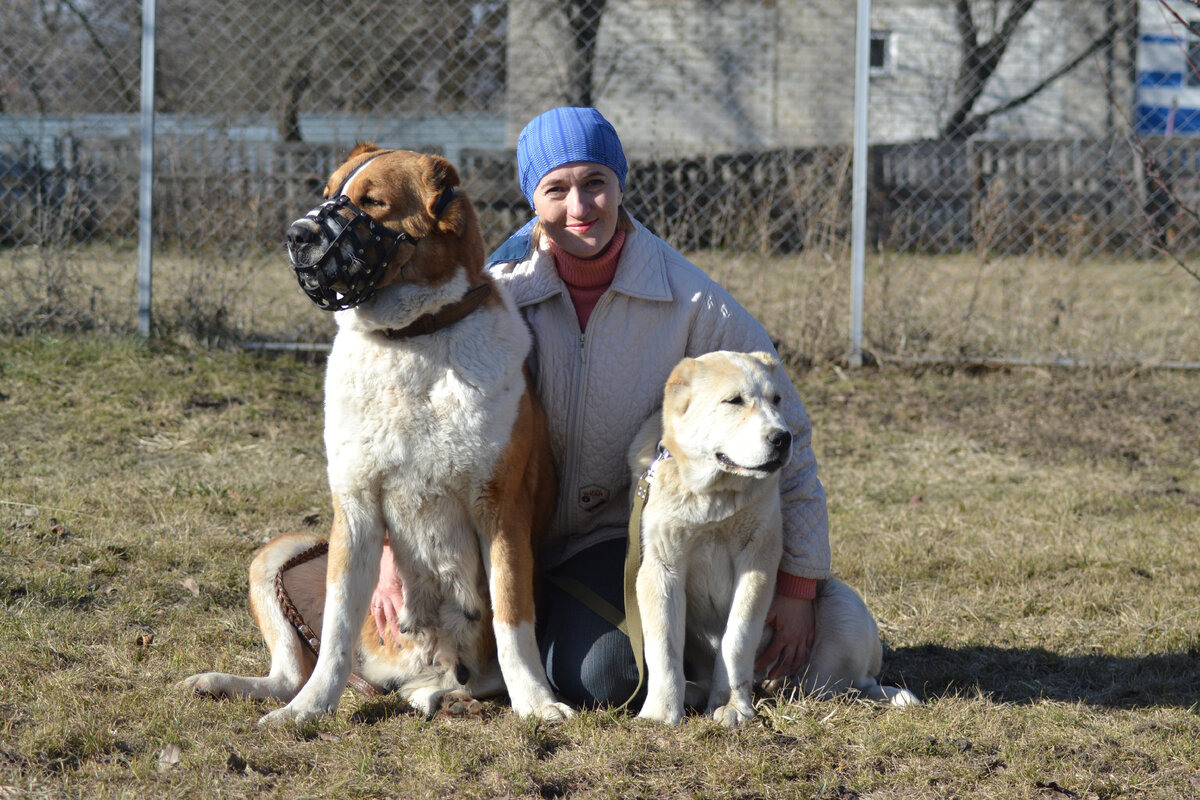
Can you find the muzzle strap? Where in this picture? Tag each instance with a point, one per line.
(444, 201)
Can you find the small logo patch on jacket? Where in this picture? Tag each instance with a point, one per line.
(592, 497)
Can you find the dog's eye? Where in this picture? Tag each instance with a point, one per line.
(372, 201)
(736, 400)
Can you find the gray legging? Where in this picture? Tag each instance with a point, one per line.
(588, 661)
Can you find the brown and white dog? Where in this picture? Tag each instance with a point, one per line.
(711, 544)
(434, 441)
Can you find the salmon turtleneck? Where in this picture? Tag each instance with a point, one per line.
(588, 278)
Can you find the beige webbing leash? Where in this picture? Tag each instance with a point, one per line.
(633, 562)
(629, 623)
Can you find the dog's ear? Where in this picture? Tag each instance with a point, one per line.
(363, 147)
(453, 215)
(445, 185)
(678, 392)
(769, 361)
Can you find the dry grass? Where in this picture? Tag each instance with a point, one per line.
(1029, 539)
(213, 298)
(963, 306)
(948, 307)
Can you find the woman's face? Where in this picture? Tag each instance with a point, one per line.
(577, 205)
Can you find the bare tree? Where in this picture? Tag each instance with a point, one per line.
(61, 55)
(291, 57)
(555, 54)
(294, 84)
(980, 57)
(584, 18)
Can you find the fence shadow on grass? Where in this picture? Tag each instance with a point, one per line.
(1027, 675)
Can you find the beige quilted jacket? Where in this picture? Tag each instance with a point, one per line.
(599, 386)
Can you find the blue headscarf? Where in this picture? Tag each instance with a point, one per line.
(564, 136)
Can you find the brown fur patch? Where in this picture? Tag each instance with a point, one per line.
(525, 472)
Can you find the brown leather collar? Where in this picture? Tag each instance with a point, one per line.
(445, 316)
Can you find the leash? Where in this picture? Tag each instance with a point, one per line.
(308, 636)
(633, 562)
(629, 623)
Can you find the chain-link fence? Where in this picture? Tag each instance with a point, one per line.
(1032, 181)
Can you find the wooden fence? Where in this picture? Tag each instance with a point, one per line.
(1071, 197)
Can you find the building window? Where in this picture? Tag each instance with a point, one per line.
(881, 53)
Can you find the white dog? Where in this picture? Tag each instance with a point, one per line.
(711, 542)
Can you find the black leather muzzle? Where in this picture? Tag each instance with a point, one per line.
(346, 271)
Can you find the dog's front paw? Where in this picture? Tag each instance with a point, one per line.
(291, 714)
(733, 713)
(538, 702)
(550, 712)
(900, 697)
(664, 712)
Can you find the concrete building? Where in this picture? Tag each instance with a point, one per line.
(708, 76)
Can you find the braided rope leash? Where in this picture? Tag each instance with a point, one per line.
(307, 635)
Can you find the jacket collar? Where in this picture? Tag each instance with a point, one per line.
(531, 278)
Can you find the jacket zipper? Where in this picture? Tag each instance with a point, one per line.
(568, 476)
(578, 403)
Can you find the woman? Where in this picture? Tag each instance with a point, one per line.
(613, 308)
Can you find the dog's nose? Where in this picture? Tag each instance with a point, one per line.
(299, 234)
(781, 440)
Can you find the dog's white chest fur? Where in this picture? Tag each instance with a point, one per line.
(712, 533)
(414, 416)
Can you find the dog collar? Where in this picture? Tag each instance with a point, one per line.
(663, 455)
(445, 316)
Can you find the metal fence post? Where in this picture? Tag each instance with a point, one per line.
(146, 177)
(858, 212)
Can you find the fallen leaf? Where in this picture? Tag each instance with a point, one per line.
(145, 639)
(193, 587)
(169, 757)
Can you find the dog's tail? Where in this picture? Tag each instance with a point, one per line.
(892, 695)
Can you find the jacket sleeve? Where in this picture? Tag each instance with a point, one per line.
(720, 323)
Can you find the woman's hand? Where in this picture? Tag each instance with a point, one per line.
(388, 599)
(794, 622)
